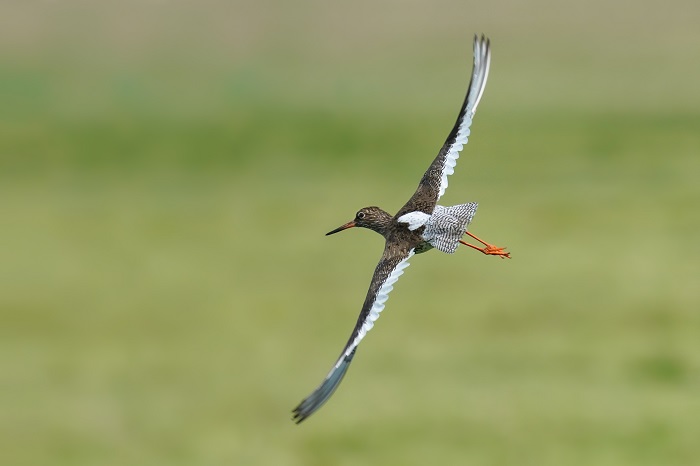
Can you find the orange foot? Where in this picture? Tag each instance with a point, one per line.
(488, 249)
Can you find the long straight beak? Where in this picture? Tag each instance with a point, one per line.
(341, 228)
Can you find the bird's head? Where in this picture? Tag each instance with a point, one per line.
(373, 218)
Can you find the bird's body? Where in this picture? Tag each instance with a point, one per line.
(420, 225)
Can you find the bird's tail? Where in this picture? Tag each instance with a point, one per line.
(448, 224)
(464, 213)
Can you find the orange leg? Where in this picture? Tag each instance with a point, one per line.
(488, 249)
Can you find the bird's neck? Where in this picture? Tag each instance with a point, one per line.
(382, 223)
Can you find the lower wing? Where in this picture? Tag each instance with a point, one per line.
(388, 271)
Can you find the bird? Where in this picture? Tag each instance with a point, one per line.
(419, 226)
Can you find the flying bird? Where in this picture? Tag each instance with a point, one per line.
(420, 225)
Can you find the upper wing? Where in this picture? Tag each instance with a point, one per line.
(389, 269)
(434, 182)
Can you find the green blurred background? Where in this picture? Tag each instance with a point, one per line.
(168, 170)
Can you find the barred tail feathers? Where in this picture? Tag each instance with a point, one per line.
(447, 225)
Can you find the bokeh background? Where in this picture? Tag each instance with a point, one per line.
(168, 170)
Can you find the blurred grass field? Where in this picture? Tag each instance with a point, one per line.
(168, 170)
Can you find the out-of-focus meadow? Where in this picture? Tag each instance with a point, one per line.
(168, 170)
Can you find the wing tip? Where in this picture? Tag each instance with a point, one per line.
(481, 41)
(480, 72)
(313, 402)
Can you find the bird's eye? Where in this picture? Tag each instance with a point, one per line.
(360, 215)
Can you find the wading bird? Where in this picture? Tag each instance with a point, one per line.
(419, 226)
